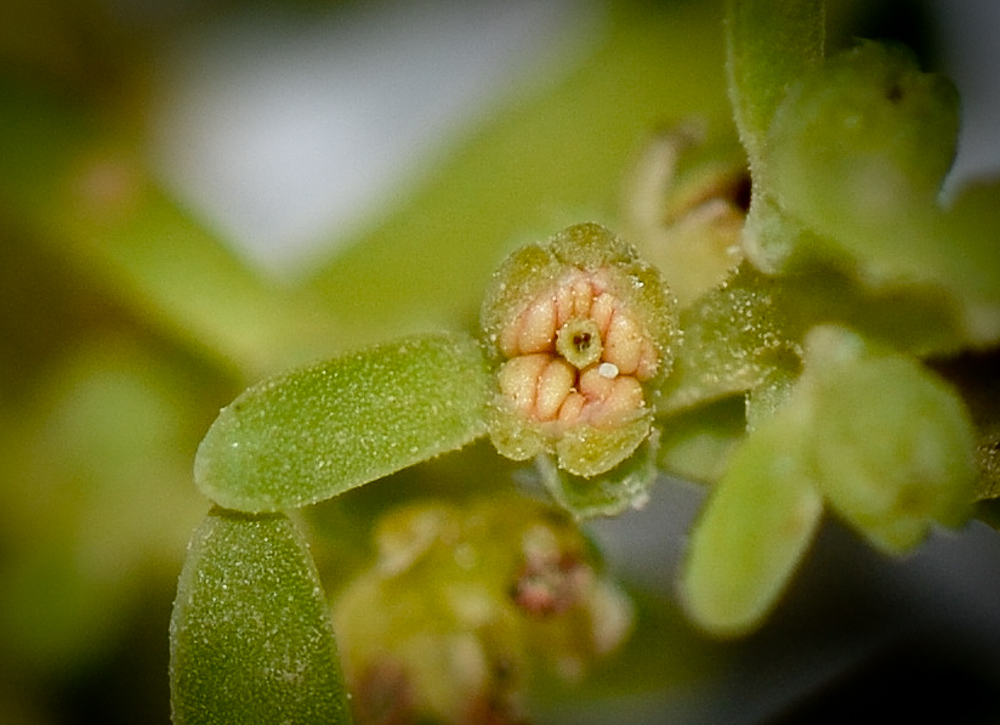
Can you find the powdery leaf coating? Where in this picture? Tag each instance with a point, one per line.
(580, 330)
(313, 433)
(769, 43)
(733, 338)
(250, 637)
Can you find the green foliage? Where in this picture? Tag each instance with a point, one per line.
(827, 441)
(848, 155)
(890, 487)
(786, 378)
(251, 638)
(313, 433)
(753, 532)
(769, 44)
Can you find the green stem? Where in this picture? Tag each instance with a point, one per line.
(769, 43)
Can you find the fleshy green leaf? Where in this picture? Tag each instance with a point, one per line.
(754, 530)
(311, 434)
(892, 444)
(251, 636)
(731, 340)
(769, 43)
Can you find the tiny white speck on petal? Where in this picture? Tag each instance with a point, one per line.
(608, 370)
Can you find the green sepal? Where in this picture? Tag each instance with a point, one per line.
(589, 451)
(583, 450)
(624, 487)
(251, 640)
(313, 433)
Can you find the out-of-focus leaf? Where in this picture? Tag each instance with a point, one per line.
(107, 439)
(251, 639)
(757, 524)
(769, 44)
(891, 443)
(695, 444)
(313, 433)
